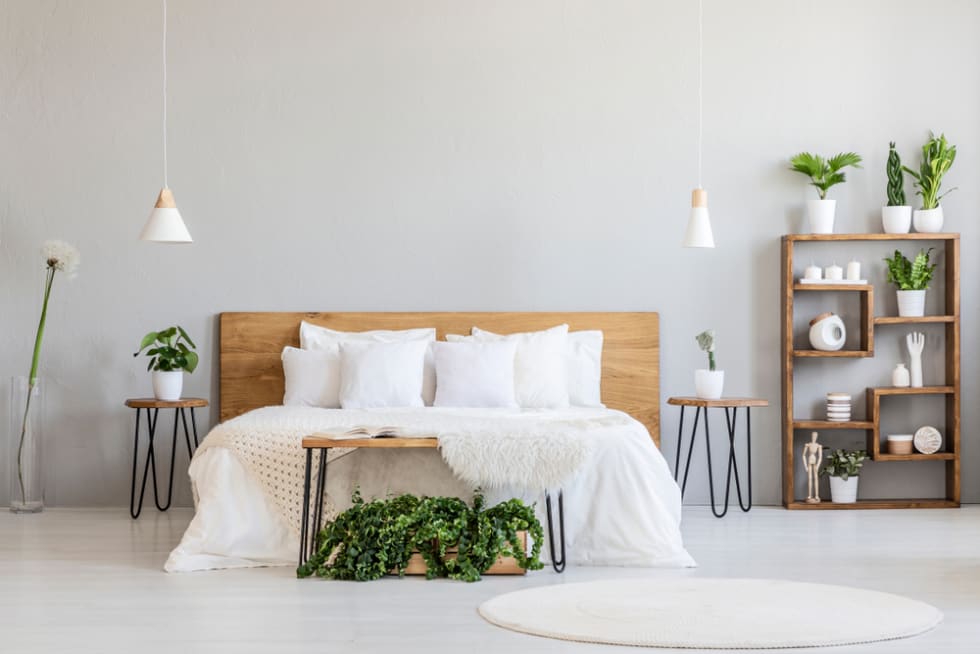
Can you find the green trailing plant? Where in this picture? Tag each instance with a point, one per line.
(372, 539)
(169, 349)
(937, 158)
(912, 275)
(706, 341)
(845, 463)
(824, 173)
(896, 178)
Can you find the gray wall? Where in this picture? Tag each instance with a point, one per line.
(452, 154)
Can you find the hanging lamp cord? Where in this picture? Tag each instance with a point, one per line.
(165, 184)
(700, 84)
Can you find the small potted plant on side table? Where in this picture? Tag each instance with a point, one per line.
(937, 158)
(843, 468)
(708, 384)
(896, 217)
(912, 279)
(170, 352)
(823, 174)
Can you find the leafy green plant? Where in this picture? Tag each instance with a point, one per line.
(845, 463)
(706, 341)
(170, 349)
(910, 275)
(937, 158)
(371, 539)
(824, 173)
(896, 178)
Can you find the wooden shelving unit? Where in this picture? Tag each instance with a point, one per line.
(872, 426)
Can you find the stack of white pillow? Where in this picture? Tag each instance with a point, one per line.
(550, 369)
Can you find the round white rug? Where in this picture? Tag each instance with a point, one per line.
(710, 613)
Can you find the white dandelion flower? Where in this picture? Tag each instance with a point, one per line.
(61, 256)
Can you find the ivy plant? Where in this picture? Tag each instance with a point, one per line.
(824, 173)
(372, 539)
(845, 463)
(169, 349)
(910, 275)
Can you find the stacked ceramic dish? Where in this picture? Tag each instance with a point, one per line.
(838, 407)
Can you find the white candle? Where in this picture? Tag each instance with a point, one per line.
(834, 273)
(854, 271)
(813, 272)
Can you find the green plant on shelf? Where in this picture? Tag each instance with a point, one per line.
(169, 351)
(845, 463)
(937, 158)
(910, 275)
(824, 173)
(896, 178)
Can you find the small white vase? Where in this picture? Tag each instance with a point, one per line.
(820, 215)
(896, 220)
(901, 377)
(929, 221)
(911, 304)
(843, 492)
(167, 385)
(827, 332)
(709, 384)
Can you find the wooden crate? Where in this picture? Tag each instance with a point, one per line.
(504, 565)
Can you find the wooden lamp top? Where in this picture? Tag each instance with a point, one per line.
(166, 199)
(699, 198)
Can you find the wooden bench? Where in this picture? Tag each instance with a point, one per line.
(313, 524)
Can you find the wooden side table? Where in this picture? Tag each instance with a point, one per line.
(731, 405)
(152, 407)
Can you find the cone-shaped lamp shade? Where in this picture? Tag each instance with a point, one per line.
(165, 224)
(698, 233)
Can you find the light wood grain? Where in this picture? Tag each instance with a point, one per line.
(878, 504)
(153, 403)
(832, 354)
(852, 288)
(166, 199)
(828, 424)
(328, 442)
(504, 565)
(903, 320)
(912, 236)
(251, 345)
(731, 402)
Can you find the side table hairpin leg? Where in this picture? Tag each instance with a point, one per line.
(150, 466)
(557, 562)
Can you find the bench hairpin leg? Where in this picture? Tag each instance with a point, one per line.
(321, 485)
(304, 525)
(558, 563)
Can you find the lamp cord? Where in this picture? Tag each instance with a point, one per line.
(700, 84)
(165, 185)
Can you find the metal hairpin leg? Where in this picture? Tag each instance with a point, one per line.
(690, 449)
(150, 467)
(309, 535)
(557, 563)
(731, 420)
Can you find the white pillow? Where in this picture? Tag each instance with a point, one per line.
(583, 366)
(475, 374)
(539, 366)
(315, 337)
(374, 375)
(312, 378)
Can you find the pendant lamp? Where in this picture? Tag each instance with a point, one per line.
(698, 234)
(165, 224)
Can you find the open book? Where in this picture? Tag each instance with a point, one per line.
(373, 432)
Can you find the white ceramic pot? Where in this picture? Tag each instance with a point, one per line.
(820, 215)
(708, 384)
(827, 332)
(896, 220)
(928, 220)
(843, 492)
(911, 304)
(168, 385)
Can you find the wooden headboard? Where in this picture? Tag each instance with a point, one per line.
(251, 344)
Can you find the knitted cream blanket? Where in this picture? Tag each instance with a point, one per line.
(487, 448)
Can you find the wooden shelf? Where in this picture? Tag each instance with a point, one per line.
(837, 354)
(938, 456)
(899, 320)
(829, 424)
(833, 287)
(924, 390)
(915, 236)
(928, 503)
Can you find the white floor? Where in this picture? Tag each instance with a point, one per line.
(91, 581)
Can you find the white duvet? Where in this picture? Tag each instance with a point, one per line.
(622, 506)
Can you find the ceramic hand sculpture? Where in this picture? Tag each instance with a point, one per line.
(812, 457)
(915, 341)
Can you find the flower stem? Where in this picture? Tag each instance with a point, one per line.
(32, 382)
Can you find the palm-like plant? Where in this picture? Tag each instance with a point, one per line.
(824, 173)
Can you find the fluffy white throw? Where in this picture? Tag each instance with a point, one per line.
(487, 448)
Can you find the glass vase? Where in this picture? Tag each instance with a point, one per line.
(26, 423)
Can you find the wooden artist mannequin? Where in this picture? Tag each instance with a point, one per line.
(812, 458)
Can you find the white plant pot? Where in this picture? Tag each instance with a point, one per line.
(843, 492)
(896, 220)
(929, 221)
(911, 304)
(820, 215)
(709, 384)
(168, 385)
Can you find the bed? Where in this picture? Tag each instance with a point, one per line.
(622, 507)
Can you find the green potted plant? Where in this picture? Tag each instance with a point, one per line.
(843, 467)
(896, 217)
(937, 158)
(912, 281)
(823, 174)
(708, 384)
(171, 353)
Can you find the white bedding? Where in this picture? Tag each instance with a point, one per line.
(622, 506)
